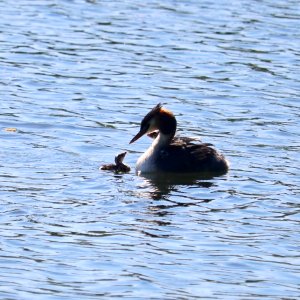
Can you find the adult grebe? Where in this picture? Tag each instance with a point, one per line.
(175, 154)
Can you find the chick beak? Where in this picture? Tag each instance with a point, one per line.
(141, 133)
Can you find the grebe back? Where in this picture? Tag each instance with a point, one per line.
(174, 154)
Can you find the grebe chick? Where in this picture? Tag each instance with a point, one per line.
(119, 166)
(175, 154)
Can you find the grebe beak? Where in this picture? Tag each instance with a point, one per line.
(140, 134)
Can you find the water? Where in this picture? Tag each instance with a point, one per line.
(76, 79)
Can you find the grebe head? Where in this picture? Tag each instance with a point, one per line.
(160, 119)
(119, 158)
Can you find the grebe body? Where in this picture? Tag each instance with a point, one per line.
(175, 154)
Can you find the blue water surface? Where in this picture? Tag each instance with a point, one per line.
(76, 79)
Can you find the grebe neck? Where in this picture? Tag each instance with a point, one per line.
(162, 140)
(147, 162)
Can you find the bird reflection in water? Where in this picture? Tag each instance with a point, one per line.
(164, 183)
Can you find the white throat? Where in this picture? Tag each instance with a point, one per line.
(147, 161)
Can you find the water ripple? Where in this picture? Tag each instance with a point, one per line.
(77, 77)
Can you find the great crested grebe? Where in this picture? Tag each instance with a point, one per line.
(175, 154)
